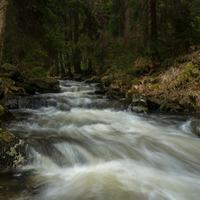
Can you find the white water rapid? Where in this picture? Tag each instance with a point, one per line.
(89, 148)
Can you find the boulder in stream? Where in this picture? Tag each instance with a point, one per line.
(139, 104)
(188, 103)
(14, 152)
(46, 85)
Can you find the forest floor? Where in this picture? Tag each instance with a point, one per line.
(175, 88)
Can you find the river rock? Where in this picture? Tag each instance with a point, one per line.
(188, 104)
(29, 89)
(5, 114)
(139, 104)
(11, 70)
(101, 89)
(171, 107)
(46, 85)
(153, 103)
(195, 127)
(19, 102)
(14, 152)
(115, 94)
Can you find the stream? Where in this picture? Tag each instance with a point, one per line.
(87, 147)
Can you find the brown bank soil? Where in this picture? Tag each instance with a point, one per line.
(173, 89)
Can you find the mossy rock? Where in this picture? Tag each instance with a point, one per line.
(8, 68)
(154, 103)
(29, 89)
(46, 84)
(188, 104)
(9, 81)
(14, 152)
(18, 90)
(5, 114)
(139, 104)
(115, 94)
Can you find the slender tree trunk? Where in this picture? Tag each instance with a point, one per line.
(105, 48)
(90, 64)
(68, 66)
(57, 71)
(127, 17)
(146, 42)
(3, 6)
(153, 32)
(77, 54)
(68, 36)
(62, 67)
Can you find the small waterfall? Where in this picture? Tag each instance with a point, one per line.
(87, 147)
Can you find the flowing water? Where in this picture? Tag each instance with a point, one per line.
(86, 147)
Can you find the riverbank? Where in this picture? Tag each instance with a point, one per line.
(171, 89)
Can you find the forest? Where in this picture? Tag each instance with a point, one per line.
(100, 99)
(145, 46)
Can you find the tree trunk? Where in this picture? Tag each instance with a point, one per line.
(57, 71)
(146, 38)
(90, 64)
(68, 37)
(69, 67)
(127, 17)
(105, 48)
(62, 66)
(77, 54)
(3, 6)
(153, 32)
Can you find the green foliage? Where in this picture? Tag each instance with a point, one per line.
(39, 72)
(37, 31)
(166, 63)
(136, 82)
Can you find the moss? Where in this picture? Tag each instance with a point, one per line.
(9, 81)
(189, 73)
(135, 82)
(15, 89)
(5, 136)
(155, 86)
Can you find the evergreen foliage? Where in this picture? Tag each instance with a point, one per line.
(62, 35)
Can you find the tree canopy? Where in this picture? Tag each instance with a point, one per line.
(74, 35)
